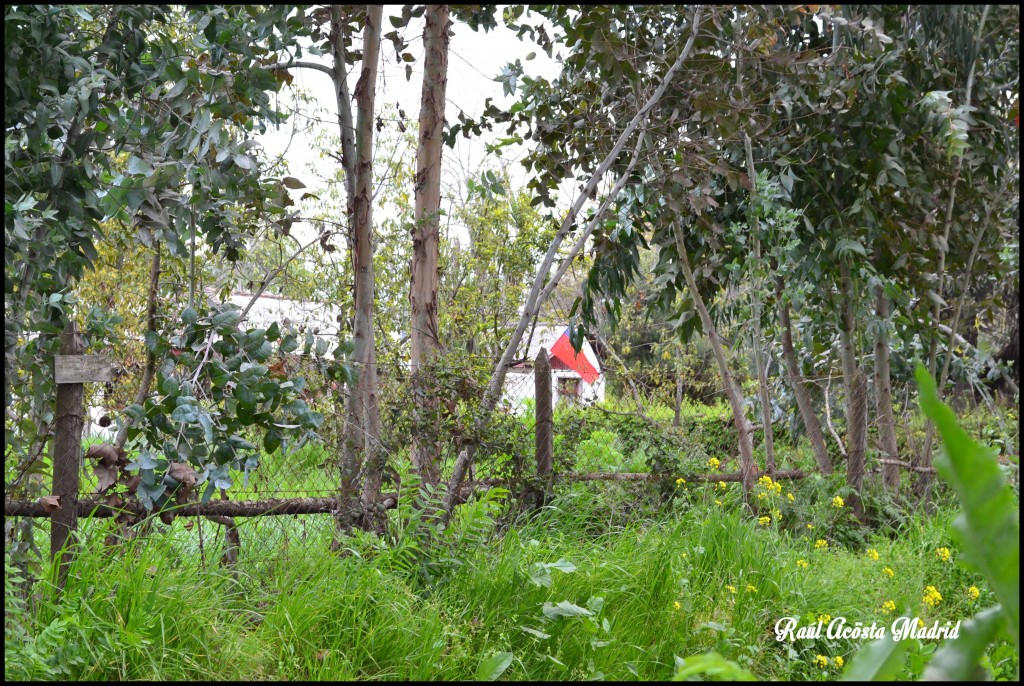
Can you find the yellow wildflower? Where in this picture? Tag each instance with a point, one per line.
(789, 497)
(942, 554)
(730, 588)
(973, 593)
(824, 619)
(802, 563)
(676, 605)
(888, 606)
(932, 596)
(684, 554)
(839, 662)
(810, 526)
(764, 521)
(821, 544)
(751, 589)
(718, 502)
(777, 488)
(920, 623)
(821, 661)
(680, 481)
(837, 502)
(762, 496)
(765, 481)
(889, 572)
(777, 515)
(722, 485)
(873, 554)
(714, 463)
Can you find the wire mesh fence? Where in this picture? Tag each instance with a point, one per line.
(455, 387)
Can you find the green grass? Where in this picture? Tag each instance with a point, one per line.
(612, 581)
(143, 611)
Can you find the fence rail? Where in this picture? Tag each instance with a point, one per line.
(306, 482)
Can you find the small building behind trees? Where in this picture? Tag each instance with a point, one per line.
(575, 377)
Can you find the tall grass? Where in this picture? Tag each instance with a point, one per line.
(605, 608)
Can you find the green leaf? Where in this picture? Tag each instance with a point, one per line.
(243, 161)
(292, 182)
(137, 165)
(987, 531)
(493, 666)
(288, 344)
(565, 609)
(185, 414)
(189, 316)
(713, 665)
(207, 423)
(958, 658)
(535, 632)
(540, 575)
(880, 660)
(225, 319)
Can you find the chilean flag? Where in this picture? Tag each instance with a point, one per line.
(578, 362)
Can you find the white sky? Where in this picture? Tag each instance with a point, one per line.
(474, 59)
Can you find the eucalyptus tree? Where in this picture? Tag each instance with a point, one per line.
(538, 110)
(140, 117)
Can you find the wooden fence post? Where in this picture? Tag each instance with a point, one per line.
(544, 426)
(67, 456)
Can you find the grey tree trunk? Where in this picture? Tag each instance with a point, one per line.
(539, 291)
(858, 424)
(423, 280)
(762, 380)
(803, 401)
(677, 417)
(924, 460)
(732, 391)
(359, 168)
(856, 416)
(883, 395)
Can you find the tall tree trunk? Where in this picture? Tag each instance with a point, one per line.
(732, 391)
(762, 380)
(803, 401)
(361, 228)
(424, 276)
(677, 417)
(539, 292)
(858, 430)
(923, 478)
(856, 416)
(149, 371)
(883, 395)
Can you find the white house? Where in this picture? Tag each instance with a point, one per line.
(319, 318)
(575, 377)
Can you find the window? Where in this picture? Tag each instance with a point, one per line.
(568, 387)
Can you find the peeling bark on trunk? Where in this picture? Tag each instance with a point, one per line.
(803, 401)
(883, 396)
(358, 158)
(732, 391)
(423, 280)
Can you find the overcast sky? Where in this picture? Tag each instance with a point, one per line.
(474, 59)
